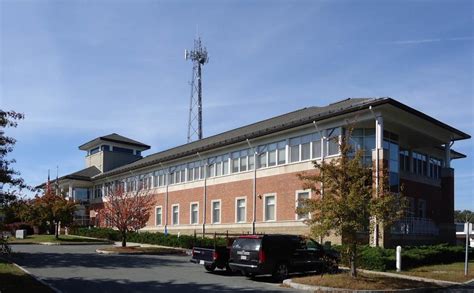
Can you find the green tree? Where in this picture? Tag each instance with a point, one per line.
(463, 216)
(9, 178)
(348, 200)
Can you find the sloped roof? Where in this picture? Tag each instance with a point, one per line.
(83, 175)
(114, 137)
(264, 127)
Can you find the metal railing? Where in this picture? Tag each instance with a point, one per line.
(415, 226)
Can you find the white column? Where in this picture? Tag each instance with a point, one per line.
(379, 132)
(447, 155)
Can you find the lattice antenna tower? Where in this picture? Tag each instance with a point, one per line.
(199, 57)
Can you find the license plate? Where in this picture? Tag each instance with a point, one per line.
(201, 262)
(243, 257)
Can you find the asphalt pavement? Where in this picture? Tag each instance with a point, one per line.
(78, 268)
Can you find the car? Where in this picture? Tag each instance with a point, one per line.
(212, 257)
(280, 255)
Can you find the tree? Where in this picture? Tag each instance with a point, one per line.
(463, 216)
(347, 202)
(52, 209)
(126, 211)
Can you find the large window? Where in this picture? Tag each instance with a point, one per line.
(300, 197)
(242, 161)
(363, 139)
(295, 149)
(419, 163)
(332, 142)
(404, 160)
(435, 168)
(316, 140)
(216, 211)
(175, 214)
(158, 216)
(269, 207)
(390, 143)
(240, 213)
(194, 211)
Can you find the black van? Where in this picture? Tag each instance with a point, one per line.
(279, 255)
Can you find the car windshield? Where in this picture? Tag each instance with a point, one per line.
(247, 243)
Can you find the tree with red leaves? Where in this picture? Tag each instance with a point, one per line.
(126, 211)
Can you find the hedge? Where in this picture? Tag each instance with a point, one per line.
(157, 238)
(383, 259)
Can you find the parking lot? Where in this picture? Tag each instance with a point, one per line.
(78, 268)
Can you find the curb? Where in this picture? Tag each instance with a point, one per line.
(56, 290)
(101, 251)
(290, 283)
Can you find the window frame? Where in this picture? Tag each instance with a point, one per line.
(265, 196)
(213, 222)
(297, 192)
(172, 214)
(191, 213)
(237, 207)
(161, 215)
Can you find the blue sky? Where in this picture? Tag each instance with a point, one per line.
(81, 69)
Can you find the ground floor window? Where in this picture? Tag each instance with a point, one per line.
(216, 212)
(194, 213)
(269, 207)
(240, 214)
(300, 197)
(158, 216)
(175, 213)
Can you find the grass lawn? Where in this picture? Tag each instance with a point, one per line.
(51, 238)
(362, 282)
(12, 279)
(145, 250)
(447, 272)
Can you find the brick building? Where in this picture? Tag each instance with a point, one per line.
(244, 180)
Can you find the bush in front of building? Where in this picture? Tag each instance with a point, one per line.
(156, 238)
(383, 259)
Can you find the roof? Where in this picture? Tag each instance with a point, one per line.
(114, 137)
(83, 175)
(272, 125)
(251, 131)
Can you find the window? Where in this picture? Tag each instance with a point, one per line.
(243, 160)
(306, 147)
(404, 160)
(194, 213)
(421, 213)
(269, 208)
(333, 141)
(281, 148)
(225, 164)
(262, 156)
(158, 216)
(295, 149)
(300, 197)
(419, 161)
(272, 154)
(94, 151)
(235, 162)
(216, 211)
(175, 213)
(435, 168)
(240, 215)
(391, 145)
(122, 150)
(363, 139)
(104, 148)
(316, 138)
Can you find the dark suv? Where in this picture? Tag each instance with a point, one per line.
(279, 255)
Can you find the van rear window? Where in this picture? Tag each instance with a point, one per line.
(247, 244)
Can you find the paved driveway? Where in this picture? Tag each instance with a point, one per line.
(77, 268)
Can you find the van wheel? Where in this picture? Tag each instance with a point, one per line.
(281, 272)
(210, 268)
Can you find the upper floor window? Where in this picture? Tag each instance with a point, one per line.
(404, 160)
(94, 151)
(332, 141)
(242, 161)
(435, 168)
(122, 150)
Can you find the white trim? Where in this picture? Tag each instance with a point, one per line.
(297, 192)
(212, 211)
(245, 209)
(172, 214)
(191, 213)
(161, 217)
(264, 202)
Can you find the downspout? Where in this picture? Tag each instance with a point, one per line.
(204, 209)
(254, 187)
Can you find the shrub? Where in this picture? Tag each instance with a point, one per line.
(156, 238)
(12, 227)
(383, 259)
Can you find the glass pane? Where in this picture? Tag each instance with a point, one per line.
(281, 156)
(235, 165)
(225, 165)
(317, 149)
(262, 160)
(305, 151)
(251, 162)
(270, 208)
(219, 169)
(295, 153)
(272, 158)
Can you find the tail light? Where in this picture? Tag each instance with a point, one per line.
(261, 256)
(215, 255)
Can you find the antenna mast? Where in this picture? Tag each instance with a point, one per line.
(199, 57)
